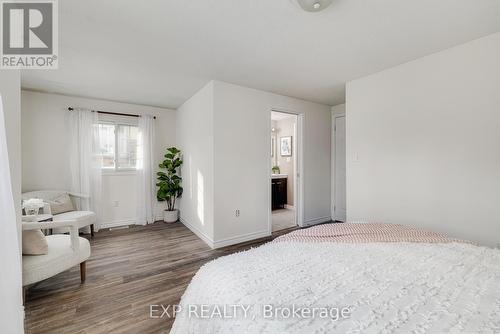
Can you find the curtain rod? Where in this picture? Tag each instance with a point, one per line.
(111, 113)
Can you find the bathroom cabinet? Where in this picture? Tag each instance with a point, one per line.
(279, 193)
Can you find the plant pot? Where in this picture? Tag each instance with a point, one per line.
(170, 216)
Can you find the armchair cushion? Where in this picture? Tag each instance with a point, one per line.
(34, 243)
(60, 204)
(82, 218)
(52, 194)
(60, 257)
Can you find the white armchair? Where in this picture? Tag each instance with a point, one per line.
(64, 252)
(82, 218)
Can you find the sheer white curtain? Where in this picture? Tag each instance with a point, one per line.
(146, 185)
(11, 316)
(85, 159)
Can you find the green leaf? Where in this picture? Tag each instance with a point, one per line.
(173, 150)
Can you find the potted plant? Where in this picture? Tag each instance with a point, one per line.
(169, 183)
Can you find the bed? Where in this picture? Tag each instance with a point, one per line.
(388, 278)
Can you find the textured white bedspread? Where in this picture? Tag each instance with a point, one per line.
(390, 288)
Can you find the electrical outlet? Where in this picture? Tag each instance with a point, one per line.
(116, 204)
(237, 213)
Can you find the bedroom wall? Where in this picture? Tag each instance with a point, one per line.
(241, 131)
(10, 90)
(195, 135)
(46, 156)
(423, 143)
(223, 131)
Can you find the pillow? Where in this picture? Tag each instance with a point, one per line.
(61, 204)
(34, 243)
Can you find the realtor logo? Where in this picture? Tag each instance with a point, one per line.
(29, 34)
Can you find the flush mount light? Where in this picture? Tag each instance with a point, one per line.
(314, 5)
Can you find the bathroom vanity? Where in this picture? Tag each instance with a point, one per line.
(279, 190)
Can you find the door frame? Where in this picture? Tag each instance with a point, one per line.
(334, 153)
(298, 179)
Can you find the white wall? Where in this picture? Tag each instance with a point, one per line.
(195, 135)
(11, 303)
(46, 157)
(241, 127)
(423, 143)
(223, 132)
(338, 109)
(10, 88)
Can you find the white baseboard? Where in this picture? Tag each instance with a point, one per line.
(289, 207)
(241, 238)
(319, 220)
(198, 233)
(117, 223)
(227, 241)
(124, 222)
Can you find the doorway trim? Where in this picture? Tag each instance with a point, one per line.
(334, 153)
(299, 171)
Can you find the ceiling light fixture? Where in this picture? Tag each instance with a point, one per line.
(314, 5)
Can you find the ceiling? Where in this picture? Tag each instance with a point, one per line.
(160, 52)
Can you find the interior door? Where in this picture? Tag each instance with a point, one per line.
(340, 169)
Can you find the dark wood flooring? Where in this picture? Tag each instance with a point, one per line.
(128, 270)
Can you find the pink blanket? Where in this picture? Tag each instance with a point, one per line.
(364, 233)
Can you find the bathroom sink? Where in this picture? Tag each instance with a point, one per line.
(279, 176)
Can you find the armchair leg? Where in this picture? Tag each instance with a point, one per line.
(83, 271)
(92, 230)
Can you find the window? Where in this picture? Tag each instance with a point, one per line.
(127, 147)
(118, 146)
(107, 145)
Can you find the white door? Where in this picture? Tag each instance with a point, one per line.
(340, 175)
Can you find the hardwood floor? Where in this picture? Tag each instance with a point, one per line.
(128, 270)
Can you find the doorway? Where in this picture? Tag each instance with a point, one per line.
(284, 183)
(339, 134)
